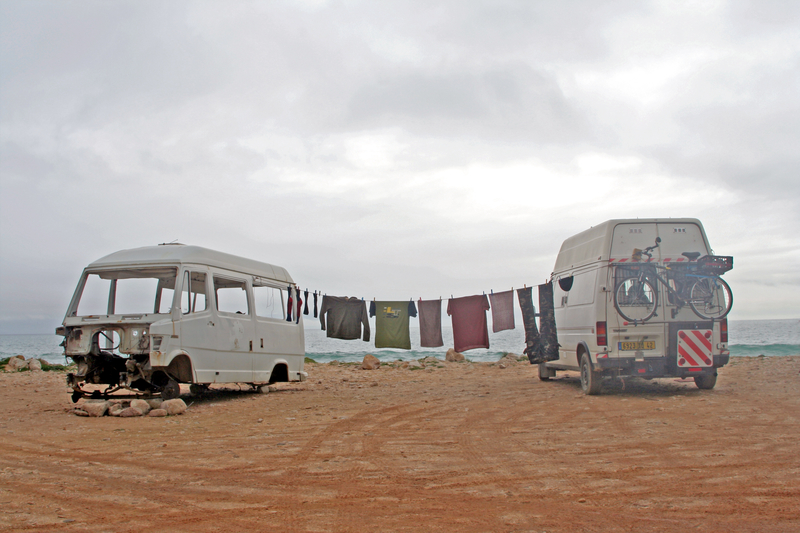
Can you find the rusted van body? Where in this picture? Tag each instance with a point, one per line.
(148, 319)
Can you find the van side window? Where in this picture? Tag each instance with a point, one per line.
(566, 283)
(193, 295)
(269, 301)
(231, 295)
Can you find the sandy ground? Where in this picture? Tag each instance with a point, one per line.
(452, 447)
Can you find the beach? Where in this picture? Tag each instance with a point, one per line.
(448, 447)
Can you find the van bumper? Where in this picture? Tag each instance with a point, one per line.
(648, 367)
(654, 366)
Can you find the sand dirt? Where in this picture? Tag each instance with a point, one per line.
(453, 447)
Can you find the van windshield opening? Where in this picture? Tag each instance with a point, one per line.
(130, 291)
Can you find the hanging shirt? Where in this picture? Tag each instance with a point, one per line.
(430, 323)
(529, 320)
(502, 310)
(470, 329)
(345, 317)
(391, 323)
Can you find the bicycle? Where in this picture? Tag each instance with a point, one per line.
(696, 284)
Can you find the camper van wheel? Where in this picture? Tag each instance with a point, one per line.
(706, 381)
(171, 390)
(546, 373)
(197, 390)
(590, 380)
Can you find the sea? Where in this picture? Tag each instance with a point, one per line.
(747, 338)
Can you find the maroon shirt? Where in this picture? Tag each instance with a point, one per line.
(469, 322)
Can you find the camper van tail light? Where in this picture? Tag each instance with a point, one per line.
(156, 344)
(723, 330)
(602, 340)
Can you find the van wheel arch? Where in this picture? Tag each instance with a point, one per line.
(583, 348)
(180, 368)
(280, 373)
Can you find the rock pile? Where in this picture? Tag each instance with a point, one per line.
(128, 408)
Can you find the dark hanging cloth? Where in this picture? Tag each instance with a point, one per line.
(305, 309)
(430, 323)
(315, 304)
(299, 305)
(470, 329)
(548, 340)
(289, 305)
(529, 320)
(391, 323)
(502, 310)
(345, 317)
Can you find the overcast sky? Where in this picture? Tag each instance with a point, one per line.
(393, 149)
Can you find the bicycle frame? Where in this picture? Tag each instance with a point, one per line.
(679, 299)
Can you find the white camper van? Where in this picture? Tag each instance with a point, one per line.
(150, 318)
(642, 298)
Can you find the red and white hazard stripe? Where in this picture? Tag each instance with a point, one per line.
(694, 348)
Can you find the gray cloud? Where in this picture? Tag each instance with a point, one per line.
(392, 147)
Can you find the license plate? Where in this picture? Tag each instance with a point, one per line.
(640, 345)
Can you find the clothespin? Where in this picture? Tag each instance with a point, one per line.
(491, 291)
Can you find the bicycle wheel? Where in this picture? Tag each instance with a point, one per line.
(710, 298)
(636, 299)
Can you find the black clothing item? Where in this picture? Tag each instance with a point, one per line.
(547, 322)
(289, 305)
(315, 304)
(529, 320)
(305, 309)
(345, 317)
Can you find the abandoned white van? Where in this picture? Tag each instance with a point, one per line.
(640, 297)
(150, 318)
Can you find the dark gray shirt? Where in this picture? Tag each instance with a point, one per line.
(345, 317)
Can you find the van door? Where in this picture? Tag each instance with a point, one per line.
(233, 341)
(270, 308)
(576, 315)
(197, 325)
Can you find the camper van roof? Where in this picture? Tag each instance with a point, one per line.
(594, 244)
(171, 254)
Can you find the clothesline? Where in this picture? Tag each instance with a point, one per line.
(347, 318)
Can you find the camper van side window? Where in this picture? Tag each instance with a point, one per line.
(565, 283)
(193, 294)
(269, 301)
(231, 295)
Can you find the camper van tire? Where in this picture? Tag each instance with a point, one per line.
(590, 380)
(546, 373)
(706, 381)
(171, 390)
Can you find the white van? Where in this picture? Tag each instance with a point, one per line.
(150, 318)
(620, 313)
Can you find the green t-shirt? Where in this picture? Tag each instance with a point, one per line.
(391, 323)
